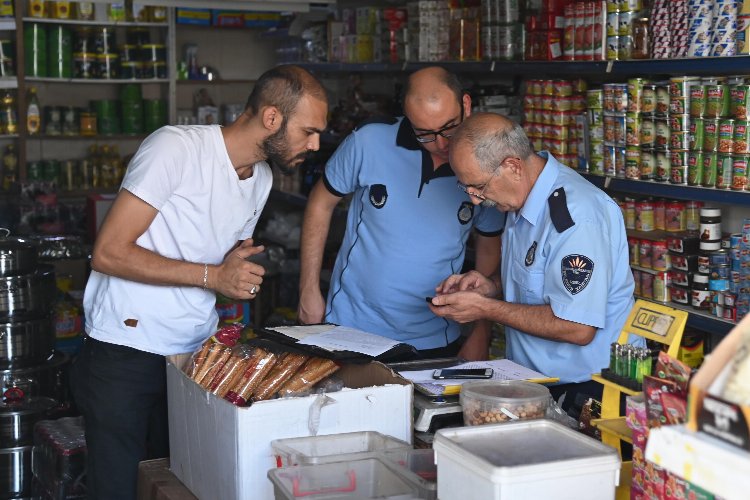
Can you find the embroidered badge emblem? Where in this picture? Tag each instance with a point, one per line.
(530, 255)
(465, 212)
(576, 272)
(378, 195)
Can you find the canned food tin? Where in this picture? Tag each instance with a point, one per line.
(633, 163)
(648, 131)
(647, 285)
(724, 171)
(697, 101)
(625, 47)
(633, 247)
(636, 282)
(740, 97)
(629, 213)
(701, 299)
(679, 140)
(741, 138)
(680, 295)
(626, 5)
(648, 98)
(696, 134)
(661, 287)
(739, 171)
(609, 160)
(644, 253)
(613, 48)
(692, 215)
(84, 65)
(619, 162)
(718, 285)
(679, 174)
(609, 129)
(648, 164)
(718, 101)
(662, 100)
(719, 258)
(661, 126)
(678, 105)
(620, 97)
(695, 168)
(687, 263)
(660, 208)
(644, 216)
(726, 135)
(679, 86)
(710, 134)
(633, 129)
(612, 23)
(108, 67)
(635, 94)
(675, 216)
(131, 70)
(679, 157)
(663, 165)
(678, 277)
(595, 99)
(679, 123)
(625, 23)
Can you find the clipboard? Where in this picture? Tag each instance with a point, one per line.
(454, 390)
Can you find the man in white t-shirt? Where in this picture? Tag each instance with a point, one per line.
(178, 231)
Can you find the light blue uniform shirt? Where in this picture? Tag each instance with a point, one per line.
(406, 231)
(567, 248)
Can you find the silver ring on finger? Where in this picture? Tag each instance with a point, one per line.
(253, 290)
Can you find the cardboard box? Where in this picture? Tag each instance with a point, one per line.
(156, 482)
(712, 414)
(222, 451)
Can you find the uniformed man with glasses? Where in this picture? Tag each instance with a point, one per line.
(565, 287)
(407, 226)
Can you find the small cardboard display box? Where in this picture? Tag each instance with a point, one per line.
(219, 450)
(707, 411)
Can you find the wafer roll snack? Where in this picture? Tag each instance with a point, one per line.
(315, 370)
(283, 371)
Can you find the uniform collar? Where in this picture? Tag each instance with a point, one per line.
(405, 139)
(537, 199)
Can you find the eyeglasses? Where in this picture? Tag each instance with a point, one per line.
(482, 188)
(446, 132)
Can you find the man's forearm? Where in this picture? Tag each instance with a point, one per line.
(539, 321)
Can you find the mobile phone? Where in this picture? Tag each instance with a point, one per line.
(429, 300)
(448, 373)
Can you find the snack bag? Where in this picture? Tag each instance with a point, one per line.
(314, 370)
(257, 367)
(205, 358)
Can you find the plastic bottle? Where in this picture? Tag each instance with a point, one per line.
(33, 113)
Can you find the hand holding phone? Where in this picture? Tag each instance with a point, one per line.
(462, 373)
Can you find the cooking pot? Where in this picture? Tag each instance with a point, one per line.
(27, 295)
(49, 378)
(17, 419)
(17, 255)
(15, 472)
(26, 342)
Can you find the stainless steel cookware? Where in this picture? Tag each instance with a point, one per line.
(26, 342)
(27, 295)
(17, 419)
(15, 472)
(17, 255)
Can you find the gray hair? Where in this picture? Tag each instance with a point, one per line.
(492, 146)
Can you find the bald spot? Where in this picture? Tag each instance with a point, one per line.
(480, 125)
(427, 87)
(310, 85)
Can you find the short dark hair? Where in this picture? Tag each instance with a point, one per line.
(283, 87)
(448, 78)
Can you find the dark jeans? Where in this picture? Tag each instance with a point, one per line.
(576, 395)
(122, 394)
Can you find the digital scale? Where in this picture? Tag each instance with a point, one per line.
(431, 414)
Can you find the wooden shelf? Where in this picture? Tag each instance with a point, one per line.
(615, 426)
(614, 385)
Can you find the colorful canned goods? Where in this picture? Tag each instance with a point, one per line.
(675, 216)
(695, 168)
(710, 134)
(724, 171)
(679, 174)
(662, 133)
(660, 215)
(635, 94)
(739, 171)
(697, 101)
(633, 247)
(633, 162)
(648, 164)
(648, 98)
(663, 164)
(718, 100)
(633, 129)
(741, 137)
(695, 134)
(661, 289)
(740, 101)
(644, 253)
(644, 215)
(679, 140)
(726, 135)
(662, 100)
(648, 131)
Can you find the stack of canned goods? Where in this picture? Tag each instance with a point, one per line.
(502, 33)
(622, 17)
(95, 53)
(595, 116)
(615, 105)
(103, 168)
(554, 117)
(669, 29)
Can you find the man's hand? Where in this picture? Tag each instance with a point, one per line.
(461, 307)
(311, 308)
(236, 277)
(472, 281)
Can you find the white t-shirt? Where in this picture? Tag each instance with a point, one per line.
(204, 209)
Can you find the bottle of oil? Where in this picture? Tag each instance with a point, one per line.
(118, 169)
(10, 167)
(8, 116)
(33, 113)
(92, 167)
(106, 174)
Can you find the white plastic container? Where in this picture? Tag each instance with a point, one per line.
(418, 466)
(527, 459)
(333, 448)
(359, 479)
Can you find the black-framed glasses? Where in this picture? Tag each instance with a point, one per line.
(445, 132)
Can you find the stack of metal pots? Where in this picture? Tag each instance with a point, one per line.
(30, 370)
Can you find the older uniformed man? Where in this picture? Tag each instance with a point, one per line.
(565, 279)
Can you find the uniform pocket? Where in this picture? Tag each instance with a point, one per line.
(530, 284)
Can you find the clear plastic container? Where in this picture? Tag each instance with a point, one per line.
(496, 401)
(360, 479)
(417, 466)
(333, 448)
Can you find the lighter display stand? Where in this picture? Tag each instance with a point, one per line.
(661, 324)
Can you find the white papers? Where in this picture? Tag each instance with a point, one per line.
(341, 338)
(502, 369)
(301, 332)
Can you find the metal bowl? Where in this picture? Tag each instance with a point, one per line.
(26, 342)
(27, 295)
(17, 255)
(17, 420)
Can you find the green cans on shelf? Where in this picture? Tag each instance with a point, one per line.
(107, 119)
(154, 114)
(35, 48)
(59, 52)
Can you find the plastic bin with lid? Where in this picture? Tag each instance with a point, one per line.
(495, 401)
(365, 479)
(524, 459)
(332, 448)
(418, 466)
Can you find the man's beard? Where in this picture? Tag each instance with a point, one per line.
(276, 149)
(488, 203)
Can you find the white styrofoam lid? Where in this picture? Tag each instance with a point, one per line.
(527, 442)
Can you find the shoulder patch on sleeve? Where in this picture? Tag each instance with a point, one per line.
(558, 210)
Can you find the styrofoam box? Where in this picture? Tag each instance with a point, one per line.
(524, 459)
(365, 479)
(222, 451)
(333, 448)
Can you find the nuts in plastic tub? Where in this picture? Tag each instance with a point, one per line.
(496, 401)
